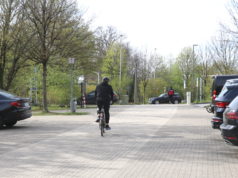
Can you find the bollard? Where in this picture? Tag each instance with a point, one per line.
(188, 94)
(73, 105)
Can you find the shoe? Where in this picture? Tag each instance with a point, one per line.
(97, 120)
(108, 127)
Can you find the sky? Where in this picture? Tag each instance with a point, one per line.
(166, 26)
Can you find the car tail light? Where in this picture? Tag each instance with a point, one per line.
(232, 115)
(221, 104)
(16, 104)
(231, 138)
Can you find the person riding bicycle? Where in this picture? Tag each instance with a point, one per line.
(171, 94)
(104, 95)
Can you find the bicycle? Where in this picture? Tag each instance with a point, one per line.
(210, 108)
(102, 122)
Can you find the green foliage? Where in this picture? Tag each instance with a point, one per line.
(111, 68)
(22, 82)
(111, 62)
(90, 88)
(176, 79)
(156, 87)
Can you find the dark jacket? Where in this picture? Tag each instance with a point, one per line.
(104, 92)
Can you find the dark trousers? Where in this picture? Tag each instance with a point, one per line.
(171, 99)
(106, 106)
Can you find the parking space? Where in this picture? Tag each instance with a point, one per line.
(145, 141)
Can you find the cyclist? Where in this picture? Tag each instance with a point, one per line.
(104, 94)
(171, 94)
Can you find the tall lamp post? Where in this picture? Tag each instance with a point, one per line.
(193, 67)
(72, 102)
(98, 75)
(120, 67)
(120, 60)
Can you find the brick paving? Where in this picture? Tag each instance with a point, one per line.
(146, 141)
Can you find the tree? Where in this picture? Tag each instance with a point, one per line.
(13, 41)
(106, 38)
(111, 67)
(156, 64)
(144, 73)
(53, 24)
(224, 53)
(186, 61)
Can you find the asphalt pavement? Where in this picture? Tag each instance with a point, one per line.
(146, 141)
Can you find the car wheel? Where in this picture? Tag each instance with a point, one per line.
(176, 102)
(10, 124)
(157, 102)
(1, 123)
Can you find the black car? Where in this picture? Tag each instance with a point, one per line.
(228, 93)
(91, 99)
(229, 128)
(217, 85)
(13, 109)
(164, 98)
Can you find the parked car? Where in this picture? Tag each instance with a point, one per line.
(228, 93)
(13, 109)
(217, 85)
(91, 99)
(164, 98)
(229, 127)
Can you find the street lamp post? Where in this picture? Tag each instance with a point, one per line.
(72, 103)
(98, 75)
(155, 57)
(120, 68)
(193, 63)
(120, 61)
(135, 84)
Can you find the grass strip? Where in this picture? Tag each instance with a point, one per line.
(58, 113)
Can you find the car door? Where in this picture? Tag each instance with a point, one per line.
(91, 98)
(164, 98)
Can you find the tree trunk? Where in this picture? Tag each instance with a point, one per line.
(44, 76)
(2, 63)
(144, 88)
(1, 77)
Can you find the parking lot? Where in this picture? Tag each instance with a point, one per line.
(164, 141)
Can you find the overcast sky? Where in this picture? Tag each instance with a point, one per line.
(167, 25)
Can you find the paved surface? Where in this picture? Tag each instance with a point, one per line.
(147, 141)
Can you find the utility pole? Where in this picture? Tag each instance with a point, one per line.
(72, 102)
(193, 71)
(135, 85)
(120, 67)
(201, 87)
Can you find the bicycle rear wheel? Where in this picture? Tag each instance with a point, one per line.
(101, 126)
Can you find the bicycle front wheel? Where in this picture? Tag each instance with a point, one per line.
(101, 126)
